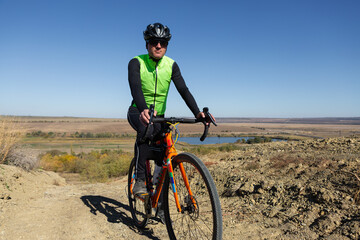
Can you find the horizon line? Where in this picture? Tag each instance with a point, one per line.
(42, 116)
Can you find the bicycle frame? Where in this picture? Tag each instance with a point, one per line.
(170, 152)
(187, 175)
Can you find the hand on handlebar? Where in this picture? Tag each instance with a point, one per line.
(207, 118)
(201, 115)
(145, 116)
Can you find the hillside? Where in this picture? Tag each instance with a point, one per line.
(294, 190)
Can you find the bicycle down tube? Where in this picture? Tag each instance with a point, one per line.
(170, 153)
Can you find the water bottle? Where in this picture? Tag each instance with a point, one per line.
(157, 172)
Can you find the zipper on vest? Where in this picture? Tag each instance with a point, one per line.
(156, 78)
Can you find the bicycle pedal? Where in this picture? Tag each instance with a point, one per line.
(142, 194)
(144, 197)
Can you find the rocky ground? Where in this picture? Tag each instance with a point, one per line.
(281, 190)
(294, 190)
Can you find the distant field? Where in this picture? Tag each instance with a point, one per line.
(72, 125)
(285, 128)
(308, 127)
(79, 145)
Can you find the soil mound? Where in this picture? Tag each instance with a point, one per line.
(291, 190)
(18, 184)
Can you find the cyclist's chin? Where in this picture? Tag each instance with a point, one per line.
(157, 55)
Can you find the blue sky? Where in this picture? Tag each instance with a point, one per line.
(240, 58)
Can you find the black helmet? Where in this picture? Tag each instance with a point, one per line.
(157, 31)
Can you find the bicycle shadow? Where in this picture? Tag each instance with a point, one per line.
(114, 211)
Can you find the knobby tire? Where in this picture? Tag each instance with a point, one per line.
(202, 220)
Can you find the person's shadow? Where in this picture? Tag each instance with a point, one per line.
(114, 211)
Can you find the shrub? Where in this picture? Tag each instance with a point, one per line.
(41, 134)
(51, 163)
(203, 149)
(95, 171)
(229, 147)
(258, 140)
(9, 136)
(93, 166)
(22, 157)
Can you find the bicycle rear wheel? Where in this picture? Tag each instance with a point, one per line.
(137, 205)
(201, 213)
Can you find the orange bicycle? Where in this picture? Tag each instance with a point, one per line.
(190, 200)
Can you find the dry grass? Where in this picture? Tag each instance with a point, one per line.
(357, 197)
(23, 157)
(252, 166)
(207, 164)
(282, 161)
(9, 135)
(357, 193)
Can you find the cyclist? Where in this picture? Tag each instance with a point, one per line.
(149, 79)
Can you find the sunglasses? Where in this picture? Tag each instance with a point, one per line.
(154, 42)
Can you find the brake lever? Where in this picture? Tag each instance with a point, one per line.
(207, 126)
(151, 114)
(149, 126)
(209, 116)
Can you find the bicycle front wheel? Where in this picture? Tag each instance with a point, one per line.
(137, 205)
(200, 216)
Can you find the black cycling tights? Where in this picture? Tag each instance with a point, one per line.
(142, 150)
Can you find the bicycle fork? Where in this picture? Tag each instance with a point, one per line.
(173, 185)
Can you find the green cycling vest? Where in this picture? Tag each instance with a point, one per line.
(155, 74)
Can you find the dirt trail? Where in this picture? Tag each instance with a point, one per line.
(55, 210)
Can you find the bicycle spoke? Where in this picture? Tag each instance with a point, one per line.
(201, 230)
